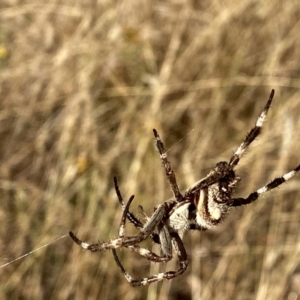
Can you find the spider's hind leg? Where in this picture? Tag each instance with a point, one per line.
(182, 256)
(130, 216)
(164, 237)
(142, 251)
(126, 241)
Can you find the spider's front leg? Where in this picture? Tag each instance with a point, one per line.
(273, 184)
(126, 241)
(169, 171)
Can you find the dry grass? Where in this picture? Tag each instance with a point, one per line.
(82, 84)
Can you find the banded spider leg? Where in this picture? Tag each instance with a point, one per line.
(165, 238)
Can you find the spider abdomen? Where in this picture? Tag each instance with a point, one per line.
(213, 204)
(179, 219)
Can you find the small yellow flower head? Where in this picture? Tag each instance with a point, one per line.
(3, 52)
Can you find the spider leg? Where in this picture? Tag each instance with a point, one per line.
(124, 216)
(255, 131)
(93, 247)
(182, 256)
(169, 171)
(164, 236)
(220, 171)
(217, 173)
(181, 253)
(273, 184)
(165, 240)
(223, 168)
(131, 217)
(147, 254)
(142, 251)
(125, 241)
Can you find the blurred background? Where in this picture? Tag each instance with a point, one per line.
(82, 84)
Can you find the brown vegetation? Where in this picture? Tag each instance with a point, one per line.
(82, 84)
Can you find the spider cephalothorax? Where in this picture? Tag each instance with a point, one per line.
(201, 207)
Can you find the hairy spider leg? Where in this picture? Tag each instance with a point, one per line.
(130, 216)
(125, 241)
(166, 245)
(183, 263)
(167, 252)
(142, 251)
(124, 217)
(254, 132)
(270, 186)
(169, 171)
(219, 172)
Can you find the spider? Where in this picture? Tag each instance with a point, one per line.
(201, 207)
